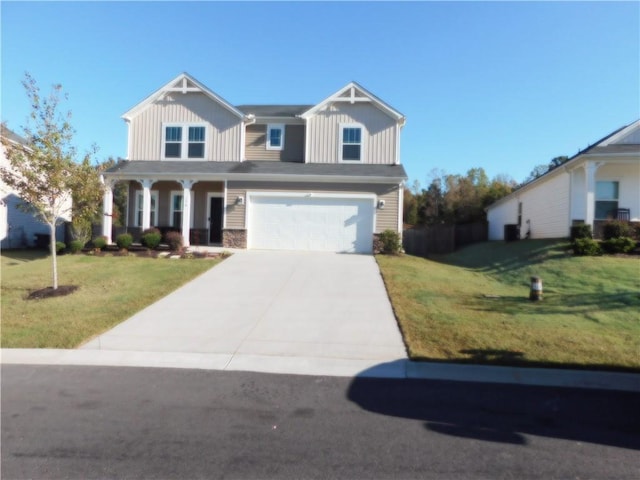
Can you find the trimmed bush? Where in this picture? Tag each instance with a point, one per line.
(174, 240)
(390, 242)
(60, 246)
(616, 229)
(586, 246)
(151, 238)
(124, 240)
(76, 245)
(100, 242)
(581, 231)
(619, 245)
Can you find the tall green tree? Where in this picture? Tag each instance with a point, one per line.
(45, 171)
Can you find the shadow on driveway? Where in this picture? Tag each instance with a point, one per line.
(504, 413)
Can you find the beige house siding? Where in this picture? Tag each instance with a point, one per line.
(386, 218)
(223, 134)
(323, 131)
(256, 144)
(545, 210)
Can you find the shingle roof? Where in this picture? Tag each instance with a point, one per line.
(273, 110)
(255, 168)
(13, 136)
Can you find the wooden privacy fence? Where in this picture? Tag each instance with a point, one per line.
(434, 239)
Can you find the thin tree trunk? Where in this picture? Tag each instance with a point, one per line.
(54, 255)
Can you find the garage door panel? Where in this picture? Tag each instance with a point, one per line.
(311, 223)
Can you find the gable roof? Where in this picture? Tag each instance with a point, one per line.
(183, 83)
(12, 136)
(604, 146)
(354, 93)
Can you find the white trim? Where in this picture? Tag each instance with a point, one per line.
(621, 134)
(352, 86)
(224, 206)
(595, 194)
(184, 140)
(168, 87)
(363, 137)
(138, 194)
(275, 126)
(207, 212)
(129, 146)
(173, 193)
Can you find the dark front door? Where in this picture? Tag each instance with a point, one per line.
(215, 220)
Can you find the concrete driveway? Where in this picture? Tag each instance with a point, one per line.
(284, 312)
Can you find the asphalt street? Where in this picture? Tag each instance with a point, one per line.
(107, 422)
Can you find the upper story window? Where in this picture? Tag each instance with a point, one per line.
(275, 137)
(184, 141)
(606, 200)
(351, 143)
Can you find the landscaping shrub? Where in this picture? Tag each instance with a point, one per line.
(581, 231)
(100, 242)
(619, 245)
(60, 246)
(76, 245)
(586, 246)
(174, 240)
(390, 242)
(616, 229)
(151, 238)
(124, 240)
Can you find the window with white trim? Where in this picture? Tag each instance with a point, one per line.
(606, 200)
(351, 143)
(177, 202)
(140, 206)
(179, 145)
(275, 137)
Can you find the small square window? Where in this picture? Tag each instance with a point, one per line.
(275, 137)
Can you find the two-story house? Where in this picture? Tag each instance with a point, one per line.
(323, 177)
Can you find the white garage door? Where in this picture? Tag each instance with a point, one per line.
(333, 224)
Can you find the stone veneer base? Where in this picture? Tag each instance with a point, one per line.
(234, 238)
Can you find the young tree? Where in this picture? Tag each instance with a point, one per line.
(44, 172)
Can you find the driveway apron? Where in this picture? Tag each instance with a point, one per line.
(260, 306)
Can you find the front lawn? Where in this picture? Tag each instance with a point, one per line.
(111, 289)
(473, 306)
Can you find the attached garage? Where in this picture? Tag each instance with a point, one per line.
(312, 222)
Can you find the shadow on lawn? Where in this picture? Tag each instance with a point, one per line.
(504, 413)
(18, 256)
(553, 304)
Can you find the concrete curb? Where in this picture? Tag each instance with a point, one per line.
(340, 367)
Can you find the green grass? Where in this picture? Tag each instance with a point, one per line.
(473, 306)
(111, 290)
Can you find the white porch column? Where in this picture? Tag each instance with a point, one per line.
(590, 168)
(146, 202)
(186, 209)
(107, 208)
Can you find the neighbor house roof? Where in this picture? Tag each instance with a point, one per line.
(250, 170)
(12, 136)
(603, 147)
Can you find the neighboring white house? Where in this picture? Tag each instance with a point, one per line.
(17, 228)
(599, 183)
(290, 177)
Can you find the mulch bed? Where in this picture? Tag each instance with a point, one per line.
(49, 292)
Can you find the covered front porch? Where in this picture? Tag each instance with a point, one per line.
(192, 207)
(605, 189)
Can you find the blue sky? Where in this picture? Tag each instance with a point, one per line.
(500, 85)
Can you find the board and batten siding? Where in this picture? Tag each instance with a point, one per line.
(386, 218)
(323, 133)
(256, 144)
(223, 134)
